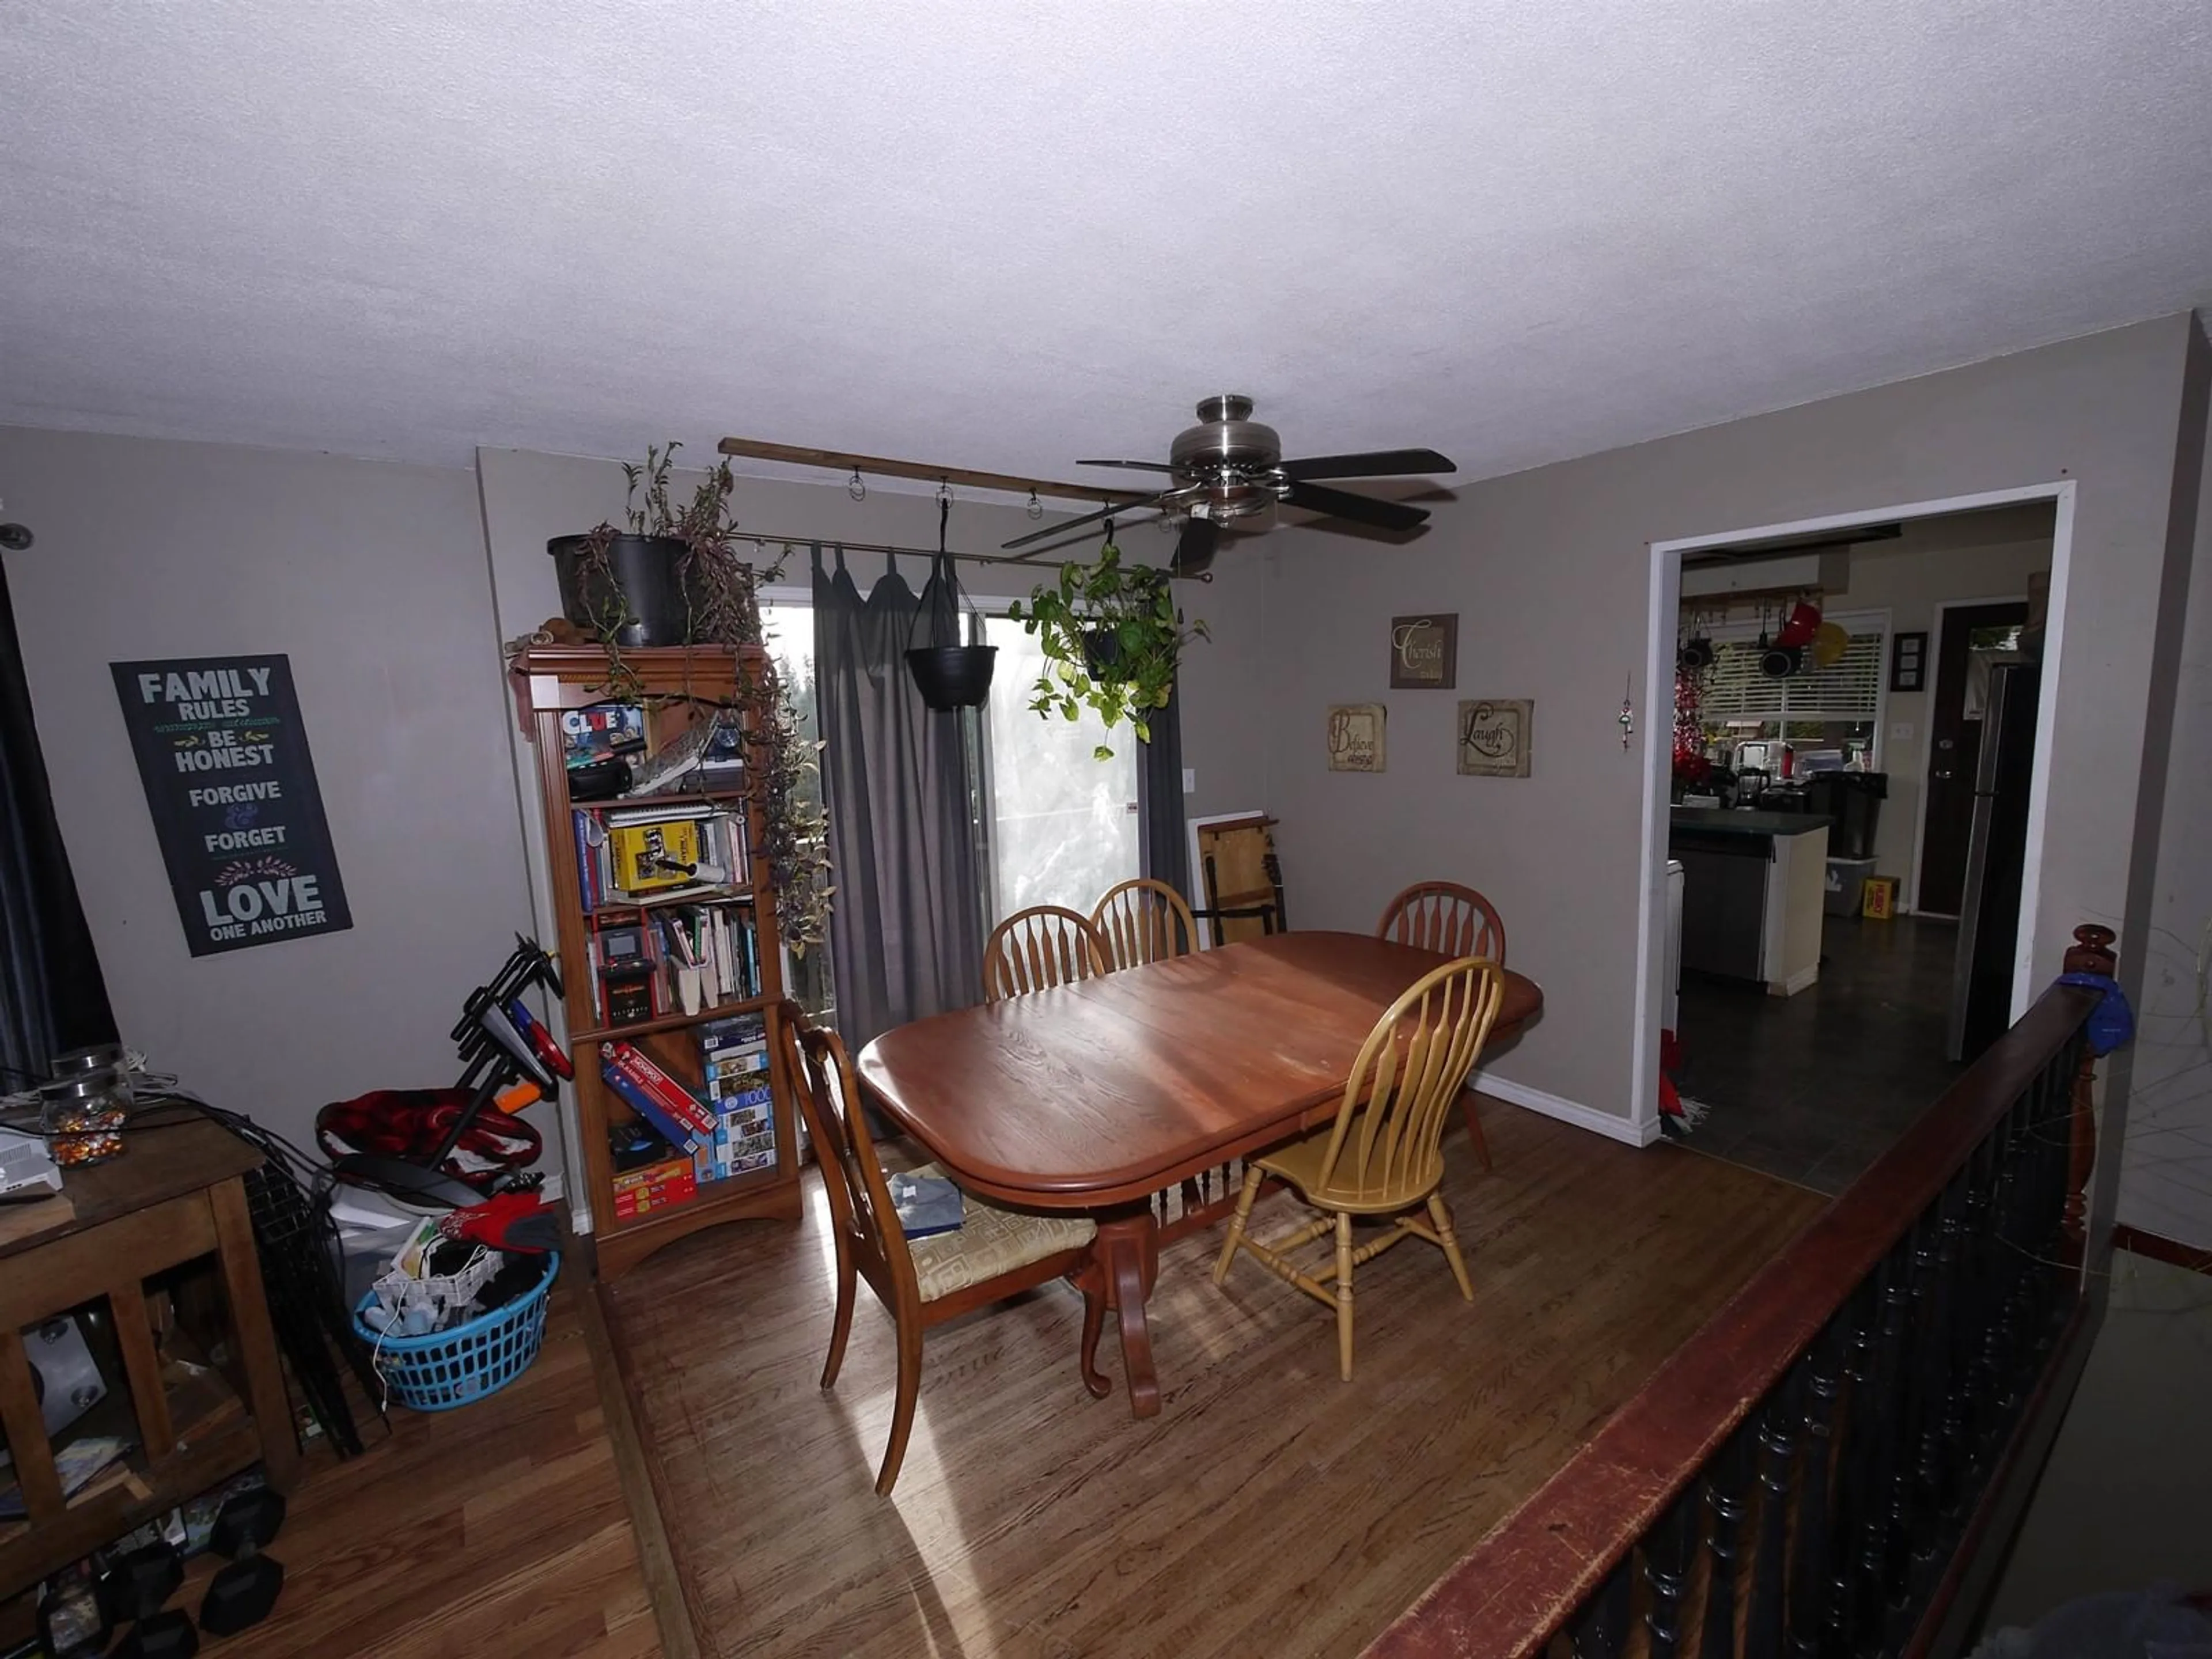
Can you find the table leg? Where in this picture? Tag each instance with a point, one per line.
(1124, 1263)
(265, 1394)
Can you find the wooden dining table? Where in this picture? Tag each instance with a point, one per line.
(1096, 1095)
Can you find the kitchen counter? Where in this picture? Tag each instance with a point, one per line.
(1722, 819)
(1753, 888)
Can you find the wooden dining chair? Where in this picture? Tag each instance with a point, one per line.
(993, 1255)
(1443, 915)
(1383, 1154)
(1044, 946)
(1144, 921)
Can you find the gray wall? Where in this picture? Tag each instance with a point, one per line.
(1549, 573)
(371, 577)
(2166, 1181)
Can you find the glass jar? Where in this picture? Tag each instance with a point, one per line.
(82, 1116)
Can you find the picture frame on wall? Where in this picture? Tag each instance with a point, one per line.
(1495, 734)
(1355, 737)
(1908, 662)
(1425, 652)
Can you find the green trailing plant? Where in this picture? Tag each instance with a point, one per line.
(1111, 636)
(721, 596)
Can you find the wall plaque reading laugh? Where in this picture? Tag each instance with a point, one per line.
(1494, 737)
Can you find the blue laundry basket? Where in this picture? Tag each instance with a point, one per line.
(455, 1367)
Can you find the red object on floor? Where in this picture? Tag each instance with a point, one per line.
(1670, 1051)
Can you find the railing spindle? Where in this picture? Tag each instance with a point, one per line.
(1778, 1422)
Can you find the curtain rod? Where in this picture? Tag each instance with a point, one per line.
(1028, 562)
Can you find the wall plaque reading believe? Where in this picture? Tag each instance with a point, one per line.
(232, 790)
(1355, 737)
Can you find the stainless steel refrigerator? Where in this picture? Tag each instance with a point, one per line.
(1989, 913)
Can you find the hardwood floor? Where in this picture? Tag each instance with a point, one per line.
(499, 1528)
(1268, 1509)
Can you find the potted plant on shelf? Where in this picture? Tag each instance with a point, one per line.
(1111, 637)
(676, 578)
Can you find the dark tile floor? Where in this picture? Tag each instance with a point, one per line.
(1814, 1088)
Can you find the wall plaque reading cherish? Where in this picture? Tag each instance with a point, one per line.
(1425, 652)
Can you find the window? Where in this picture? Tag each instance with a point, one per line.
(1063, 823)
(788, 632)
(1059, 826)
(1839, 707)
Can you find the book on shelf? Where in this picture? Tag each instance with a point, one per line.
(672, 856)
(668, 1094)
(677, 1132)
(651, 1186)
(600, 732)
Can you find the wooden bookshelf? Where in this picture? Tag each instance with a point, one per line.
(680, 686)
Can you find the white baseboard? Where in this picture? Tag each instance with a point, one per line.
(580, 1209)
(1803, 979)
(1568, 1111)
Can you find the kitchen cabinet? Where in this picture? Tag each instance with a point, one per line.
(1752, 889)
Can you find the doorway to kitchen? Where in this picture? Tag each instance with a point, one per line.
(1807, 1005)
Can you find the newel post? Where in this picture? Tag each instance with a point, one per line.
(2090, 953)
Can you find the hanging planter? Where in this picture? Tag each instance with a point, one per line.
(949, 672)
(1111, 637)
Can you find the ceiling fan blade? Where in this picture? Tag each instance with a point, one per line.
(1195, 547)
(1067, 524)
(1360, 509)
(1144, 466)
(1374, 464)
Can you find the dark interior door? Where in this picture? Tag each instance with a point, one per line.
(1955, 743)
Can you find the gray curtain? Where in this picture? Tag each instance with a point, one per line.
(53, 996)
(1162, 844)
(906, 930)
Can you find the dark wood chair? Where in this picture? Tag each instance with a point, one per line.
(1445, 916)
(1044, 946)
(994, 1254)
(1144, 921)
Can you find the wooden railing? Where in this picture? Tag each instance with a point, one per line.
(1834, 1464)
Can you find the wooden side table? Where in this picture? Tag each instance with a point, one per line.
(178, 1194)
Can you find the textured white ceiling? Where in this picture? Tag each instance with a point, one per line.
(1005, 236)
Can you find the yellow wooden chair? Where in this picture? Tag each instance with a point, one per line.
(1144, 921)
(1383, 1154)
(994, 1254)
(1044, 946)
(1443, 915)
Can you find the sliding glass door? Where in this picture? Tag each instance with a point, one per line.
(1063, 823)
(1053, 824)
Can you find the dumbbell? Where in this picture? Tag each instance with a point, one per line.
(161, 1636)
(242, 1593)
(137, 1585)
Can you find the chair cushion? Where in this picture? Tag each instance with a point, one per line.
(989, 1241)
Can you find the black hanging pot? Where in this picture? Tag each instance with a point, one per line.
(1779, 662)
(1102, 656)
(1696, 652)
(948, 674)
(953, 676)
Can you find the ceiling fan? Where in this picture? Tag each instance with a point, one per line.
(1231, 466)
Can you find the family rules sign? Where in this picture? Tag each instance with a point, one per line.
(232, 790)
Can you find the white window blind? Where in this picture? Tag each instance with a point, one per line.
(1848, 688)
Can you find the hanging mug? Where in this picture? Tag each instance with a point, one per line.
(1802, 623)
